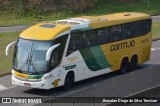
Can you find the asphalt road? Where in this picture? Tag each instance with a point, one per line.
(8, 90)
(20, 28)
(156, 18)
(13, 28)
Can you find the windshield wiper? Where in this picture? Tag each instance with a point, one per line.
(31, 62)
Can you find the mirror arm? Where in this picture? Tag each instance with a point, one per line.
(8, 46)
(48, 54)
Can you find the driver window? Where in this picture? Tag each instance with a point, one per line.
(57, 53)
(54, 58)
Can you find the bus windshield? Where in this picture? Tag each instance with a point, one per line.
(29, 56)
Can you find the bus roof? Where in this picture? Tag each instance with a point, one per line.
(53, 29)
(44, 31)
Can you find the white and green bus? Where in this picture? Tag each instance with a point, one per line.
(59, 53)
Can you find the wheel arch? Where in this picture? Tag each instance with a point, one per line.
(125, 57)
(134, 55)
(66, 73)
(72, 73)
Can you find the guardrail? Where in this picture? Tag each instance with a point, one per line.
(122, 86)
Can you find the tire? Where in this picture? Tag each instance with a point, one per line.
(124, 66)
(133, 63)
(69, 80)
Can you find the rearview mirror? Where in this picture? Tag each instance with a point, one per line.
(8, 46)
(48, 54)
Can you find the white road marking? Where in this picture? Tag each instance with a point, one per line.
(2, 88)
(154, 49)
(5, 88)
(11, 87)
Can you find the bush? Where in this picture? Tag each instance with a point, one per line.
(43, 6)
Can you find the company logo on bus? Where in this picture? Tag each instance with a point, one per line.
(123, 45)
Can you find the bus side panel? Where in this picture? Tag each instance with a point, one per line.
(96, 60)
(146, 43)
(75, 62)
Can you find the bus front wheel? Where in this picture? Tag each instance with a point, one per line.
(124, 66)
(69, 80)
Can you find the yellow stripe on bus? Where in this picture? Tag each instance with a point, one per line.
(20, 75)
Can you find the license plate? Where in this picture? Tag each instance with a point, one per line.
(27, 84)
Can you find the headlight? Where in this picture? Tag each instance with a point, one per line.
(46, 76)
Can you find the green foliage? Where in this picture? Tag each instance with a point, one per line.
(6, 61)
(113, 6)
(21, 12)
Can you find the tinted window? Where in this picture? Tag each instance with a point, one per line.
(57, 54)
(127, 31)
(89, 39)
(115, 32)
(138, 28)
(75, 42)
(102, 36)
(147, 26)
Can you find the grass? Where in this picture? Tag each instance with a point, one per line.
(156, 29)
(6, 38)
(13, 20)
(103, 7)
(6, 61)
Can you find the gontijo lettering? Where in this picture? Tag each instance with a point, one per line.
(123, 45)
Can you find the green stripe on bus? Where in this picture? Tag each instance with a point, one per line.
(35, 76)
(89, 59)
(100, 57)
(94, 58)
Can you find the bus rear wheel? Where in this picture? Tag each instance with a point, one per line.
(124, 66)
(133, 63)
(69, 80)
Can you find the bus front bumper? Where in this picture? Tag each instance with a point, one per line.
(44, 84)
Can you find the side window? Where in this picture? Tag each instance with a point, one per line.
(57, 54)
(102, 36)
(54, 58)
(138, 28)
(75, 42)
(89, 39)
(115, 32)
(147, 26)
(127, 31)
